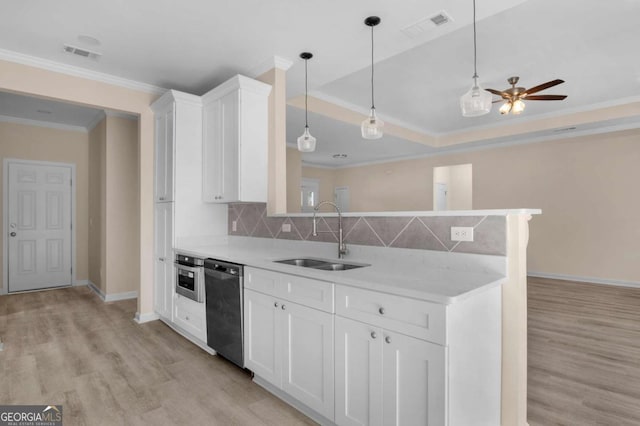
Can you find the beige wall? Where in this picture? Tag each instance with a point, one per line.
(97, 191)
(326, 178)
(46, 144)
(121, 206)
(34, 81)
(294, 174)
(114, 227)
(585, 186)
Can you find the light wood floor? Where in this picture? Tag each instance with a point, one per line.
(68, 347)
(584, 354)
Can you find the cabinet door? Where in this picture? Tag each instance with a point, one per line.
(262, 336)
(308, 357)
(413, 381)
(164, 152)
(358, 373)
(220, 150)
(163, 259)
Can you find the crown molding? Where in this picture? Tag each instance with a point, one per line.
(234, 83)
(38, 123)
(46, 64)
(275, 62)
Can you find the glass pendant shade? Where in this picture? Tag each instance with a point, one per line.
(505, 108)
(306, 142)
(372, 127)
(476, 101)
(518, 107)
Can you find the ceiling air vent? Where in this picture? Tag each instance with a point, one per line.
(82, 52)
(426, 24)
(440, 19)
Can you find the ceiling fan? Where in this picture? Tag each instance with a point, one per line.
(514, 96)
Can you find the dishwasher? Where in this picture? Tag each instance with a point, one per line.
(224, 299)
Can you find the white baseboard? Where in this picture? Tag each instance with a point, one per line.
(142, 318)
(111, 297)
(590, 280)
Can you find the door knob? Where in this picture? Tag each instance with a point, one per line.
(13, 234)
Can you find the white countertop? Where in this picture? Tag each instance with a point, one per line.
(416, 280)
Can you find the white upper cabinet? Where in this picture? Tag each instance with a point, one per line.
(164, 149)
(235, 141)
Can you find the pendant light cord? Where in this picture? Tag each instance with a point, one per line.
(372, 103)
(306, 92)
(475, 60)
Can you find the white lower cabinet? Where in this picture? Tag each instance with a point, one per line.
(163, 260)
(387, 378)
(190, 316)
(291, 346)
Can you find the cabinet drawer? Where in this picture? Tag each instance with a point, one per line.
(417, 318)
(305, 291)
(308, 292)
(190, 316)
(261, 280)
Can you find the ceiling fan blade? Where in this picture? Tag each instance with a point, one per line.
(497, 92)
(545, 98)
(543, 86)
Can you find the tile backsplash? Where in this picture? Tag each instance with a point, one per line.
(414, 232)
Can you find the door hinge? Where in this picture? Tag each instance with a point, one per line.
(71, 270)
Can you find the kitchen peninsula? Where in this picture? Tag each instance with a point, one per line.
(447, 306)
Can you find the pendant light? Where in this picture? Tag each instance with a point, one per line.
(476, 101)
(306, 142)
(372, 126)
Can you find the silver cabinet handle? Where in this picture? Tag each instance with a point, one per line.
(161, 198)
(283, 307)
(275, 304)
(387, 339)
(373, 335)
(187, 318)
(381, 310)
(161, 259)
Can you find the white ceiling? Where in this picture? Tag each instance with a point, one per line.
(193, 46)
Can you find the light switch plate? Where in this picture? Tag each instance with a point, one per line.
(286, 227)
(462, 233)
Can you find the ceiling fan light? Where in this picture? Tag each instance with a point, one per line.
(505, 108)
(518, 107)
(476, 101)
(306, 142)
(372, 127)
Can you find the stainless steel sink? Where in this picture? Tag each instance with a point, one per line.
(325, 265)
(307, 263)
(338, 266)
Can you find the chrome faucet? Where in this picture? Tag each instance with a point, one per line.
(342, 247)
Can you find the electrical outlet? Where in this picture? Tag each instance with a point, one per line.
(286, 227)
(234, 226)
(461, 233)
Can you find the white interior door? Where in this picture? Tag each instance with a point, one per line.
(440, 195)
(39, 226)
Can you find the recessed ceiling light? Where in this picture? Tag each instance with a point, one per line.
(340, 156)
